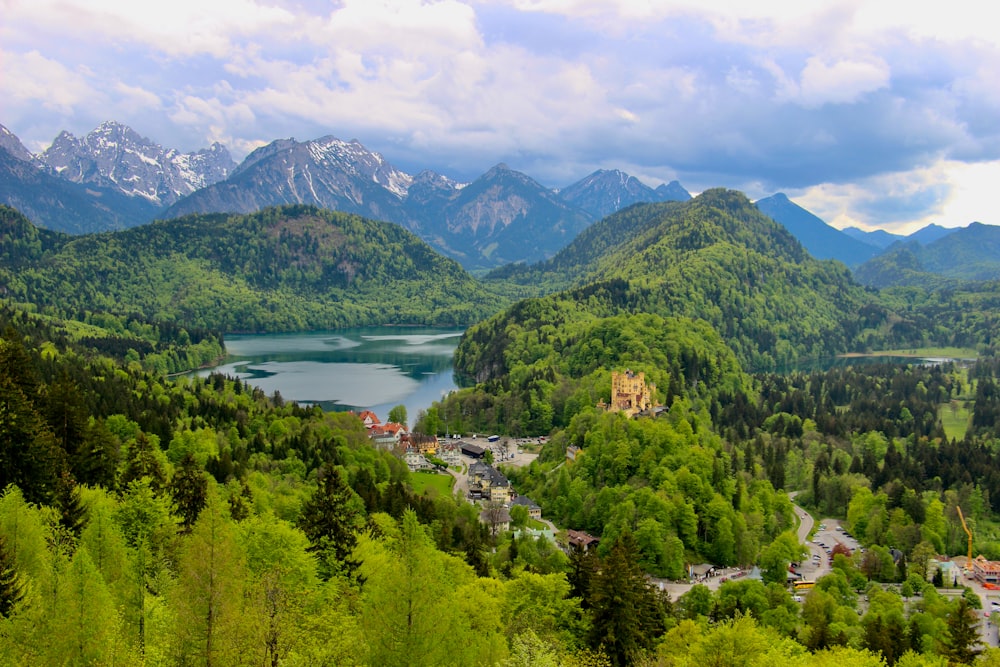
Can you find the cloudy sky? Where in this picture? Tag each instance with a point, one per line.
(876, 113)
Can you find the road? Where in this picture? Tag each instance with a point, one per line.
(830, 533)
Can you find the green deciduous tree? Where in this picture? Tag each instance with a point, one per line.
(409, 609)
(207, 598)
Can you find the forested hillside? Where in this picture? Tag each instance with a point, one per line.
(716, 258)
(968, 254)
(282, 269)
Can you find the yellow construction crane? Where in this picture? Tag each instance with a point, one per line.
(968, 564)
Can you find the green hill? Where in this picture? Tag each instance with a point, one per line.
(281, 269)
(967, 254)
(715, 258)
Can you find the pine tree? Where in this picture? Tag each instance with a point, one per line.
(331, 519)
(963, 634)
(66, 415)
(29, 457)
(189, 489)
(72, 513)
(626, 614)
(142, 462)
(582, 566)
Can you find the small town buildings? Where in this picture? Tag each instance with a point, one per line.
(578, 539)
(488, 483)
(415, 460)
(986, 571)
(425, 444)
(369, 418)
(450, 453)
(388, 436)
(496, 517)
(471, 450)
(534, 510)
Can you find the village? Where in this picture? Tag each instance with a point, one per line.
(471, 461)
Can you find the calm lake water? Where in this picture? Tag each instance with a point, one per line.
(374, 368)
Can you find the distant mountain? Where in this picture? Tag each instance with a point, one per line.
(504, 216)
(116, 157)
(930, 234)
(608, 191)
(877, 237)
(820, 239)
(326, 172)
(57, 204)
(965, 254)
(10, 143)
(672, 191)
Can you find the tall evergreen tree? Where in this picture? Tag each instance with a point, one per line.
(72, 513)
(626, 613)
(143, 462)
(962, 637)
(29, 457)
(331, 519)
(66, 414)
(189, 489)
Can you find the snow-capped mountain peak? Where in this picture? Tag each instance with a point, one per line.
(116, 156)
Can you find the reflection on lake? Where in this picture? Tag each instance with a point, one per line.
(374, 368)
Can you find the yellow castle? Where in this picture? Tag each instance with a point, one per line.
(630, 393)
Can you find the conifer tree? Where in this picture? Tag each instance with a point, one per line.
(29, 457)
(143, 462)
(626, 614)
(331, 519)
(189, 489)
(72, 513)
(962, 637)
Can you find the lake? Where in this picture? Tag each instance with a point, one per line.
(371, 368)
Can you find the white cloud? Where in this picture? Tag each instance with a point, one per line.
(176, 28)
(135, 98)
(841, 82)
(946, 193)
(30, 79)
(404, 26)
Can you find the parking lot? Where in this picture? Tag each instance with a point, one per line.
(828, 534)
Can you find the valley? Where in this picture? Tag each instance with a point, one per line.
(122, 481)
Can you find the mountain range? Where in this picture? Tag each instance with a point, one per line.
(114, 178)
(501, 217)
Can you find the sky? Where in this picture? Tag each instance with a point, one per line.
(872, 113)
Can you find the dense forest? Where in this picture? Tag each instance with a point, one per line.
(289, 268)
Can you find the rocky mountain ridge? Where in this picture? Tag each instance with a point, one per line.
(117, 157)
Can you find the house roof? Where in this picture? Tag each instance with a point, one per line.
(368, 415)
(525, 501)
(580, 538)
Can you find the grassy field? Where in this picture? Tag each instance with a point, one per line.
(955, 419)
(429, 480)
